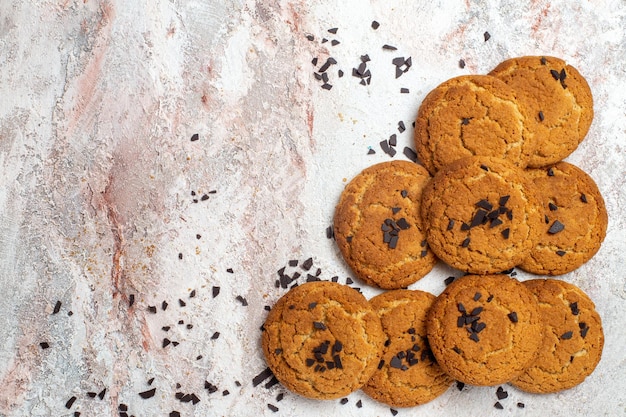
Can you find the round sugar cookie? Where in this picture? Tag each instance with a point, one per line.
(322, 340)
(559, 102)
(378, 227)
(472, 115)
(485, 329)
(573, 340)
(479, 213)
(407, 374)
(574, 221)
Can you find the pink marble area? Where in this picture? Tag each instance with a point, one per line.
(160, 162)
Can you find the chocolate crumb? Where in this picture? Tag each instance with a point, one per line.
(484, 167)
(333, 31)
(319, 325)
(555, 74)
(544, 61)
(310, 37)
(131, 300)
(242, 300)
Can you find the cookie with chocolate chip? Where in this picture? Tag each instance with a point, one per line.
(557, 97)
(378, 227)
(485, 329)
(407, 374)
(479, 214)
(574, 220)
(472, 115)
(573, 340)
(322, 340)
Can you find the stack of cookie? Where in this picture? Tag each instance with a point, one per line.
(492, 193)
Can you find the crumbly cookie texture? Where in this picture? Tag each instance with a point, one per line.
(485, 329)
(407, 374)
(322, 340)
(479, 213)
(574, 220)
(472, 115)
(573, 341)
(558, 99)
(378, 227)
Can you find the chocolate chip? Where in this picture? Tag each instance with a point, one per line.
(561, 252)
(484, 204)
(484, 167)
(448, 281)
(450, 224)
(583, 198)
(70, 402)
(541, 116)
(375, 25)
(478, 218)
(195, 137)
(550, 172)
(555, 74)
(567, 335)
(147, 394)
(461, 63)
(501, 393)
(404, 193)
(477, 296)
(552, 207)
(505, 233)
(556, 227)
(319, 325)
(498, 405)
(574, 308)
(474, 337)
(512, 316)
(487, 36)
(410, 154)
(389, 48)
(460, 385)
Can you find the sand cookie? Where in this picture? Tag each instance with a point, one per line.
(378, 228)
(407, 374)
(485, 329)
(479, 214)
(471, 115)
(558, 99)
(322, 340)
(574, 222)
(573, 340)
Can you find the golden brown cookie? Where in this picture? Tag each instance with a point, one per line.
(378, 226)
(558, 100)
(485, 329)
(574, 222)
(407, 374)
(322, 340)
(479, 213)
(472, 115)
(573, 340)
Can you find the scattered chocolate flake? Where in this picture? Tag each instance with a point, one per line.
(57, 307)
(401, 126)
(555, 74)
(583, 198)
(371, 151)
(394, 412)
(272, 407)
(460, 385)
(329, 232)
(567, 335)
(181, 303)
(448, 281)
(340, 73)
(506, 232)
(70, 402)
(521, 405)
(552, 207)
(404, 90)
(147, 394)
(541, 116)
(215, 291)
(375, 25)
(512, 316)
(44, 345)
(487, 36)
(210, 387)
(195, 137)
(359, 404)
(465, 242)
(410, 154)
(152, 309)
(131, 300)
(450, 224)
(556, 227)
(180, 256)
(389, 47)
(215, 335)
(225, 392)
(498, 405)
(349, 281)
(343, 401)
(461, 63)
(262, 376)
(393, 140)
(174, 414)
(501, 393)
(242, 300)
(306, 265)
(334, 42)
(310, 37)
(333, 31)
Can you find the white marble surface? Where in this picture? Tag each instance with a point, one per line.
(98, 102)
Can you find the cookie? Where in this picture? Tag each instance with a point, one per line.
(479, 214)
(407, 374)
(485, 329)
(472, 115)
(378, 228)
(574, 222)
(322, 340)
(573, 341)
(558, 100)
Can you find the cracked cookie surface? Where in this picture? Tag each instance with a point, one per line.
(378, 228)
(485, 329)
(478, 213)
(407, 374)
(573, 340)
(322, 340)
(471, 115)
(574, 221)
(558, 100)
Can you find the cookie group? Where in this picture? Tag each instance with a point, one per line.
(490, 193)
